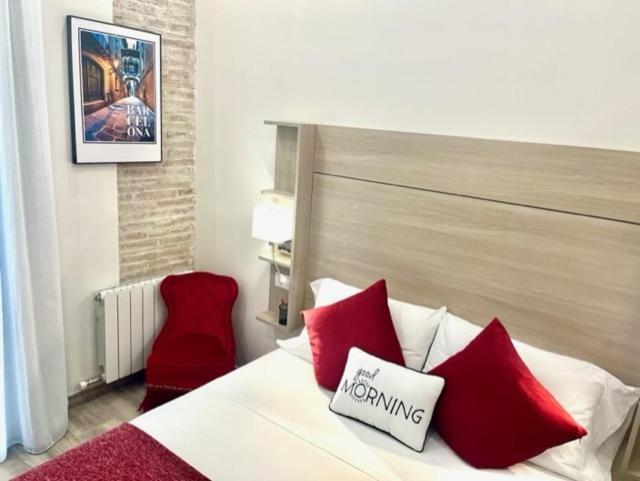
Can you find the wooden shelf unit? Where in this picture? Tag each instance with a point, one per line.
(270, 318)
(295, 152)
(283, 260)
(280, 194)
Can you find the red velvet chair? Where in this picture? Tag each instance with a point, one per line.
(196, 343)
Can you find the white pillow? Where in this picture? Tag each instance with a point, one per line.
(391, 398)
(595, 399)
(298, 345)
(415, 325)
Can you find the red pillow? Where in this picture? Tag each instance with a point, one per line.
(493, 412)
(362, 320)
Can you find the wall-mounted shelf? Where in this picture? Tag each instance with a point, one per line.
(281, 123)
(295, 153)
(281, 194)
(271, 318)
(283, 260)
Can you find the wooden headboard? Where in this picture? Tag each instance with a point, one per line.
(545, 237)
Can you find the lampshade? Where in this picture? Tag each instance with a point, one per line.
(272, 222)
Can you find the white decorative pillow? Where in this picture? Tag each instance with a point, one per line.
(595, 399)
(388, 397)
(415, 325)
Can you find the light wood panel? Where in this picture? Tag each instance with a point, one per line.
(597, 182)
(562, 282)
(286, 158)
(295, 153)
(302, 219)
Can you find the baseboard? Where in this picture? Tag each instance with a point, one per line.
(102, 389)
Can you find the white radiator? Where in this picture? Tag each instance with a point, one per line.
(129, 319)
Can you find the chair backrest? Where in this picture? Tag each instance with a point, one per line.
(199, 303)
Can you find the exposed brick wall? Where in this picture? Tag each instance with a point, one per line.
(156, 203)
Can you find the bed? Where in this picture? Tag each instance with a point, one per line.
(272, 412)
(545, 237)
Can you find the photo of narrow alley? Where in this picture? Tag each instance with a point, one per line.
(118, 89)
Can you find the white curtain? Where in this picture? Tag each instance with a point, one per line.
(33, 398)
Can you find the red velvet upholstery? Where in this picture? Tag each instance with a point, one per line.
(196, 344)
(493, 412)
(363, 321)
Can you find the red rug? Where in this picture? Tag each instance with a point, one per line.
(122, 454)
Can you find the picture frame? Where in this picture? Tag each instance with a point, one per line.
(115, 90)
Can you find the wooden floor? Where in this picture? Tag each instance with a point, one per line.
(85, 422)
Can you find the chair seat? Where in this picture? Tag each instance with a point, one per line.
(184, 378)
(191, 350)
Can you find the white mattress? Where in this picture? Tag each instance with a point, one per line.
(269, 420)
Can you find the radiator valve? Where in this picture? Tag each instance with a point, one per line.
(90, 382)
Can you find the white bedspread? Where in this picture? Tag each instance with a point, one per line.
(269, 421)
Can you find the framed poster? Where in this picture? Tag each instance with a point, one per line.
(115, 90)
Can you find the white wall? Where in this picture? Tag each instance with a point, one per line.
(86, 200)
(555, 71)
